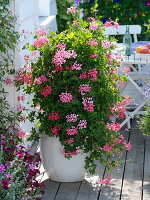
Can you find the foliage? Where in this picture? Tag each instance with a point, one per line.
(74, 81)
(62, 17)
(125, 12)
(145, 121)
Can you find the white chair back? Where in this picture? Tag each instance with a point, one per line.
(134, 30)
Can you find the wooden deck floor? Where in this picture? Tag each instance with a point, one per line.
(130, 182)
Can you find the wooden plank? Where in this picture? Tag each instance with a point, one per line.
(132, 183)
(68, 191)
(146, 183)
(51, 189)
(112, 192)
(90, 186)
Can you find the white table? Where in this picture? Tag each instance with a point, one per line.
(136, 74)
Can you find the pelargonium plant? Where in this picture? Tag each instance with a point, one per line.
(74, 81)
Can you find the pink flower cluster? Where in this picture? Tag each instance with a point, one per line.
(119, 110)
(46, 91)
(72, 131)
(113, 126)
(20, 108)
(76, 66)
(21, 97)
(69, 153)
(92, 74)
(41, 41)
(24, 77)
(93, 55)
(93, 26)
(126, 69)
(61, 46)
(108, 148)
(82, 124)
(71, 118)
(61, 56)
(84, 88)
(21, 134)
(105, 181)
(127, 100)
(106, 44)
(71, 140)
(8, 81)
(88, 104)
(40, 32)
(41, 79)
(53, 116)
(72, 10)
(66, 97)
(93, 42)
(111, 23)
(55, 130)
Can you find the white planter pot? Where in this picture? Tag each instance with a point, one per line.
(44, 8)
(57, 166)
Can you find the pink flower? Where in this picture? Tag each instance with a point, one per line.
(8, 81)
(84, 88)
(41, 79)
(24, 32)
(88, 104)
(21, 97)
(105, 181)
(106, 44)
(72, 131)
(121, 84)
(92, 74)
(82, 124)
(128, 146)
(71, 140)
(61, 46)
(93, 26)
(21, 134)
(46, 91)
(55, 130)
(20, 108)
(72, 10)
(40, 32)
(76, 66)
(84, 75)
(93, 55)
(107, 24)
(66, 97)
(111, 23)
(53, 116)
(113, 126)
(107, 148)
(126, 70)
(72, 118)
(41, 41)
(93, 42)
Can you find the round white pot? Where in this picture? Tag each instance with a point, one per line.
(57, 166)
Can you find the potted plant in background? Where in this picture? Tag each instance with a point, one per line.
(74, 81)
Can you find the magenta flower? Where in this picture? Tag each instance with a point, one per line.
(2, 168)
(105, 181)
(72, 10)
(72, 131)
(113, 126)
(61, 46)
(84, 88)
(21, 134)
(76, 66)
(88, 104)
(9, 176)
(93, 26)
(71, 118)
(55, 130)
(82, 124)
(93, 55)
(92, 74)
(53, 116)
(107, 148)
(46, 91)
(41, 79)
(5, 184)
(66, 97)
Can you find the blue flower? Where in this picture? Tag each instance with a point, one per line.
(92, 1)
(76, 2)
(116, 1)
(104, 20)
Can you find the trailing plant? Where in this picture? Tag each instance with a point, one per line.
(125, 12)
(62, 16)
(145, 121)
(73, 78)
